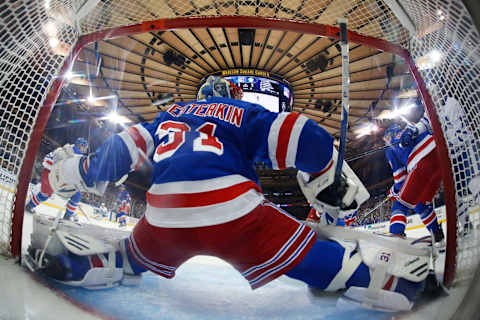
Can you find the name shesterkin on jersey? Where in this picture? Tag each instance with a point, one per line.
(222, 111)
(234, 135)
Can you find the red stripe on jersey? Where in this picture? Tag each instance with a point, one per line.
(398, 218)
(400, 175)
(389, 283)
(429, 219)
(199, 199)
(96, 262)
(284, 138)
(330, 164)
(139, 142)
(48, 161)
(425, 144)
(86, 164)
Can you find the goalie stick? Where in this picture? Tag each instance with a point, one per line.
(345, 95)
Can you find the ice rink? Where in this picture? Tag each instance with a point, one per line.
(204, 288)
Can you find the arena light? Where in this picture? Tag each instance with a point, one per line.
(397, 112)
(435, 56)
(403, 110)
(430, 60)
(50, 29)
(53, 42)
(117, 118)
(91, 99)
(366, 130)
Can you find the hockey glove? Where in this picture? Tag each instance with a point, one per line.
(408, 136)
(327, 193)
(65, 178)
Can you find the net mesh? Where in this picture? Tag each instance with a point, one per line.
(445, 29)
(33, 50)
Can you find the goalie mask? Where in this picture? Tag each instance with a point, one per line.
(218, 87)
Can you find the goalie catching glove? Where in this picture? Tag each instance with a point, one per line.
(327, 194)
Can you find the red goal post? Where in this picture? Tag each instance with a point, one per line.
(11, 214)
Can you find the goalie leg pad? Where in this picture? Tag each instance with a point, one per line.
(389, 261)
(90, 263)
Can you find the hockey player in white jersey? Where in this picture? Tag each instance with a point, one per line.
(80, 148)
(205, 198)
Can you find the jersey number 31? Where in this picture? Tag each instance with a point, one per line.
(175, 133)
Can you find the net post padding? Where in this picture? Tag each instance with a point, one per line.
(242, 22)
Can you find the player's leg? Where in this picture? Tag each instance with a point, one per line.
(72, 205)
(429, 219)
(398, 219)
(331, 266)
(45, 192)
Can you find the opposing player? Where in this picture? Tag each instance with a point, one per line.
(123, 212)
(205, 199)
(412, 155)
(79, 148)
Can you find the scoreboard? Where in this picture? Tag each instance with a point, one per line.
(261, 87)
(271, 94)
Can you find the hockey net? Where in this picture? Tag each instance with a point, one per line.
(32, 64)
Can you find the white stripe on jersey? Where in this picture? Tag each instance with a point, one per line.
(273, 138)
(189, 217)
(424, 147)
(197, 186)
(132, 148)
(293, 142)
(292, 145)
(147, 138)
(286, 262)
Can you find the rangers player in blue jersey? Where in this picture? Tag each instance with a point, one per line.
(205, 198)
(80, 147)
(412, 155)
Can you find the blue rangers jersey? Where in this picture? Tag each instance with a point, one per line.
(403, 160)
(203, 154)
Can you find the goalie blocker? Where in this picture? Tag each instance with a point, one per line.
(337, 197)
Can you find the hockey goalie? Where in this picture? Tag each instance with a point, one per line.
(205, 198)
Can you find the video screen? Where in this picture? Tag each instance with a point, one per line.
(267, 101)
(271, 94)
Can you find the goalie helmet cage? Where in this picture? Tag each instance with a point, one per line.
(35, 57)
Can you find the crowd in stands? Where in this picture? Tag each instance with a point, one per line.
(366, 214)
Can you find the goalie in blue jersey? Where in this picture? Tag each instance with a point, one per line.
(205, 199)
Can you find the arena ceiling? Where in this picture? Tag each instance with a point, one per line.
(136, 73)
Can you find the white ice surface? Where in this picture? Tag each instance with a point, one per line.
(204, 288)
